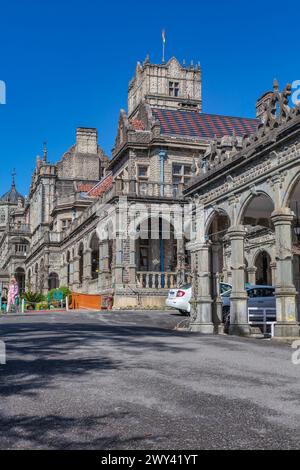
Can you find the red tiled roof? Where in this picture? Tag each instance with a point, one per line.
(201, 125)
(104, 185)
(137, 125)
(84, 187)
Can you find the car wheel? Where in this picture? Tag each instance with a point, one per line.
(184, 312)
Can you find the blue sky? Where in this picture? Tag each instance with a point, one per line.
(68, 63)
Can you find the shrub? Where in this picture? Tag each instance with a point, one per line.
(63, 289)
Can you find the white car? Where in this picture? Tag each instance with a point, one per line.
(180, 298)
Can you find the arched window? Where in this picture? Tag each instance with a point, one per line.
(80, 254)
(263, 265)
(53, 281)
(29, 278)
(94, 245)
(68, 268)
(20, 278)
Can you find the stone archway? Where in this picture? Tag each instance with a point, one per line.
(20, 278)
(262, 264)
(95, 256)
(53, 281)
(157, 253)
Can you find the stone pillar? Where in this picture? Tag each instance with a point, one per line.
(76, 280)
(201, 315)
(118, 265)
(132, 262)
(64, 275)
(46, 272)
(239, 324)
(252, 275)
(286, 325)
(218, 307)
(180, 262)
(273, 273)
(87, 265)
(105, 273)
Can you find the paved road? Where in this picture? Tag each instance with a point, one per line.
(127, 381)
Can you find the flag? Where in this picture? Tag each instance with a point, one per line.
(164, 36)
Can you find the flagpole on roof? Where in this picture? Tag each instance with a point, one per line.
(163, 45)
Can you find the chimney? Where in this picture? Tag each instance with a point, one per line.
(87, 140)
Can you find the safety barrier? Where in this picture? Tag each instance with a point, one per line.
(264, 318)
(91, 301)
(86, 301)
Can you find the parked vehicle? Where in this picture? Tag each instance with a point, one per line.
(260, 297)
(180, 298)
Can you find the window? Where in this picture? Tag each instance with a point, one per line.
(182, 174)
(65, 223)
(143, 172)
(261, 292)
(95, 256)
(225, 289)
(174, 89)
(268, 292)
(144, 255)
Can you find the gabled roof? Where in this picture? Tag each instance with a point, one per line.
(201, 125)
(104, 185)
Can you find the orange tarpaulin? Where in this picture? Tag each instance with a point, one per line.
(86, 301)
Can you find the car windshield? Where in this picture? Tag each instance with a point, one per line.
(185, 287)
(225, 289)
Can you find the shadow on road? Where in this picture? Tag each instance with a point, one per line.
(60, 432)
(39, 352)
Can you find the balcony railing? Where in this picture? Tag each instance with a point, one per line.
(19, 228)
(148, 189)
(162, 280)
(156, 280)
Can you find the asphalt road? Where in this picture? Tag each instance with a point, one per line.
(128, 381)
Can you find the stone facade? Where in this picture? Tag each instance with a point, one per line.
(170, 85)
(90, 218)
(254, 186)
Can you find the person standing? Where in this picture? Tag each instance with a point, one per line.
(13, 292)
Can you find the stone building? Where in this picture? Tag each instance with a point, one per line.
(114, 226)
(159, 147)
(57, 197)
(14, 237)
(248, 194)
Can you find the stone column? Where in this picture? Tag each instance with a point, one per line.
(64, 276)
(76, 280)
(252, 275)
(239, 324)
(287, 325)
(105, 273)
(46, 272)
(118, 265)
(132, 262)
(201, 315)
(180, 262)
(87, 265)
(273, 273)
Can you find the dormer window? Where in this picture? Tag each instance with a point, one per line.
(174, 89)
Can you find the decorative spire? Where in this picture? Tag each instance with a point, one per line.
(13, 174)
(275, 84)
(45, 152)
